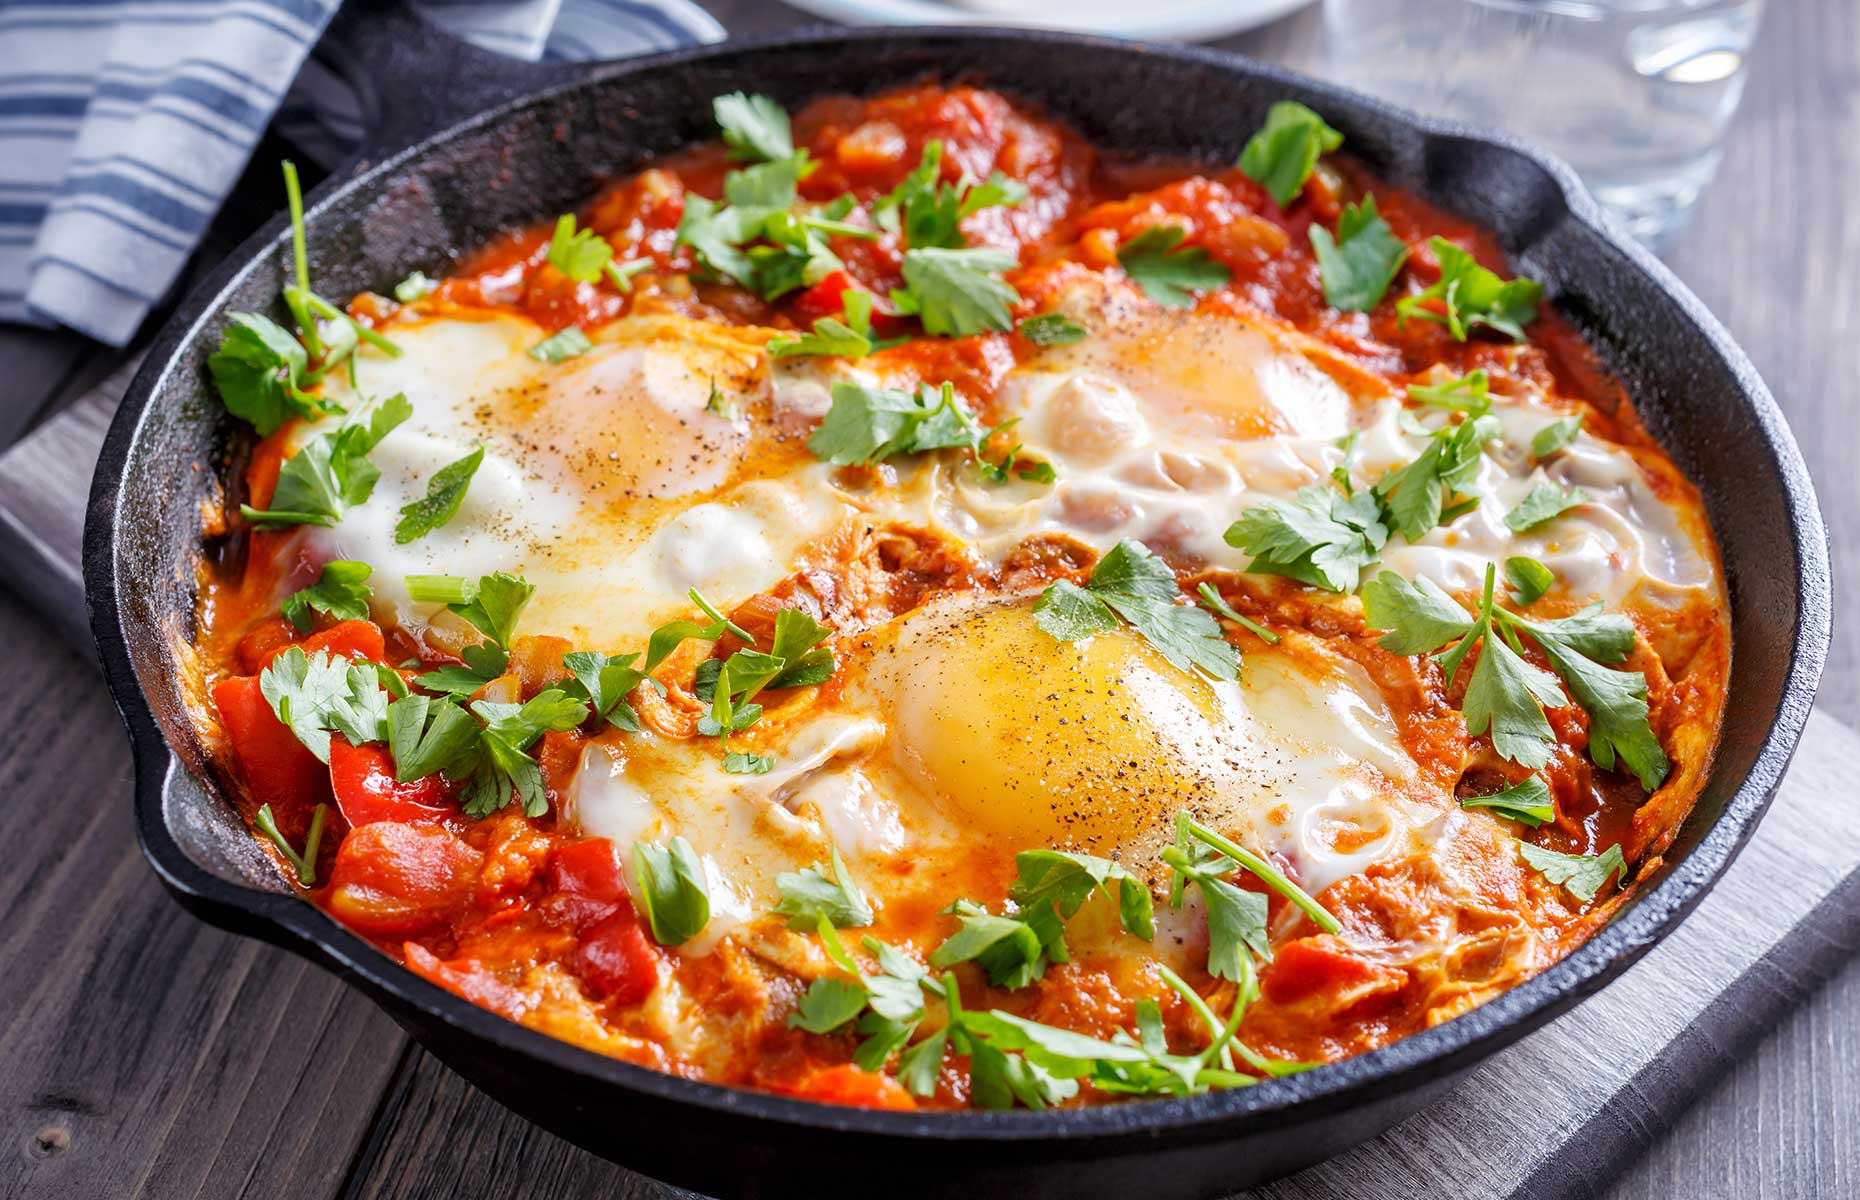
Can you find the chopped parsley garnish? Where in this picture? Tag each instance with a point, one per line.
(562, 346)
(315, 695)
(585, 256)
(1215, 603)
(738, 762)
(492, 606)
(1236, 917)
(1052, 329)
(1505, 694)
(1050, 889)
(929, 213)
(331, 472)
(1469, 295)
(869, 424)
(1557, 435)
(1433, 489)
(1321, 537)
(259, 370)
(606, 682)
(730, 686)
(822, 893)
(958, 292)
(429, 734)
(1529, 579)
(755, 128)
(846, 336)
(1582, 874)
(1168, 275)
(1132, 583)
(504, 771)
(1528, 802)
(1281, 155)
(305, 863)
(415, 287)
(263, 373)
(672, 890)
(1360, 261)
(1467, 394)
(1547, 500)
(445, 491)
(341, 591)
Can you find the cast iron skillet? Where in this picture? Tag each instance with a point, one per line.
(513, 159)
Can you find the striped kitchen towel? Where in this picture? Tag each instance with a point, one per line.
(124, 123)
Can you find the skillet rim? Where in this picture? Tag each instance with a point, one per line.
(1400, 1067)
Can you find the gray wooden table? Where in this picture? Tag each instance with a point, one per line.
(145, 1055)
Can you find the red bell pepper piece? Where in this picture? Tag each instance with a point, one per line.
(366, 790)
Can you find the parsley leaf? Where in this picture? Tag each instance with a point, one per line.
(1470, 295)
(869, 424)
(1243, 921)
(319, 694)
(1281, 155)
(340, 591)
(578, 254)
(259, 370)
(495, 604)
(1008, 949)
(754, 127)
(1582, 874)
(828, 1004)
(1555, 436)
(672, 890)
(1419, 616)
(1139, 587)
(427, 734)
(960, 292)
(506, 772)
(1467, 394)
(1547, 500)
(1529, 579)
(1052, 329)
(1359, 263)
(562, 346)
(739, 763)
(812, 895)
(1321, 537)
(331, 472)
(445, 491)
(607, 682)
(1616, 701)
(1416, 497)
(1167, 275)
(1528, 802)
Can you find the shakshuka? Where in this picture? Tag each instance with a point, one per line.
(902, 608)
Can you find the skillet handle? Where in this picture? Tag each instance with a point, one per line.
(414, 79)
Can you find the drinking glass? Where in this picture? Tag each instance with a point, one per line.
(1635, 94)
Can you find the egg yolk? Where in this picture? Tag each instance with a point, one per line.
(1092, 745)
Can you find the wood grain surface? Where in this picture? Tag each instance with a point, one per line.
(145, 1055)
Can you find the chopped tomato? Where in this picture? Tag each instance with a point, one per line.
(616, 960)
(826, 298)
(1320, 966)
(366, 790)
(467, 979)
(589, 868)
(392, 878)
(351, 639)
(850, 1086)
(278, 770)
(264, 642)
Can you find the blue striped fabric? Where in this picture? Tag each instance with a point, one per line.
(123, 124)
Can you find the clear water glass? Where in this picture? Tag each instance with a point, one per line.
(1635, 94)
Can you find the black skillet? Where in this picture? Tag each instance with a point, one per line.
(506, 158)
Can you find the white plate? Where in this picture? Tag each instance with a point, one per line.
(1161, 20)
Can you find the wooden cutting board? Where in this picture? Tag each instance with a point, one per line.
(1560, 1113)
